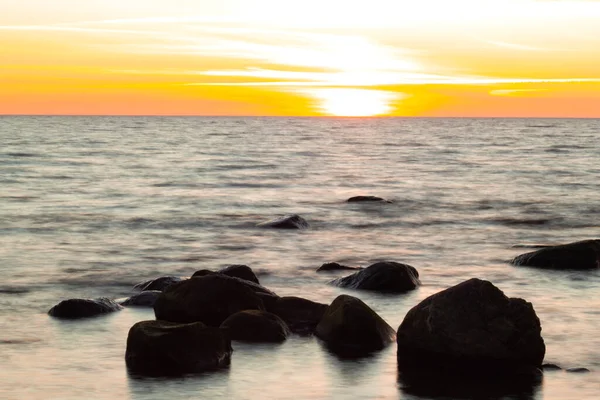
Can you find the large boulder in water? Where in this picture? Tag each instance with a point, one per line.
(209, 299)
(255, 287)
(471, 327)
(255, 326)
(301, 315)
(161, 348)
(572, 256)
(386, 276)
(350, 327)
(240, 271)
(83, 308)
(293, 221)
(146, 298)
(157, 284)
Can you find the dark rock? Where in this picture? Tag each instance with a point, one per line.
(475, 385)
(143, 299)
(269, 300)
(161, 348)
(83, 308)
(350, 328)
(572, 256)
(335, 267)
(256, 326)
(287, 222)
(472, 327)
(240, 271)
(550, 367)
(209, 299)
(157, 284)
(578, 370)
(254, 286)
(301, 315)
(386, 276)
(362, 199)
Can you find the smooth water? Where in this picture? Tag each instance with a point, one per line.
(89, 206)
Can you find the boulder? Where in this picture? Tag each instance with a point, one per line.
(161, 348)
(350, 328)
(386, 276)
(209, 299)
(293, 221)
(143, 299)
(301, 315)
(157, 284)
(572, 256)
(240, 271)
(471, 327)
(255, 287)
(255, 326)
(362, 199)
(333, 266)
(83, 308)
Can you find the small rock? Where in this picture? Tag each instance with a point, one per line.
(255, 326)
(351, 328)
(157, 284)
(240, 271)
(83, 308)
(161, 348)
(142, 299)
(287, 222)
(578, 370)
(327, 267)
(550, 367)
(387, 276)
(361, 199)
(573, 256)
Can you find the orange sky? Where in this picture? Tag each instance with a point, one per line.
(520, 58)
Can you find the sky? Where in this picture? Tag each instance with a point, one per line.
(431, 58)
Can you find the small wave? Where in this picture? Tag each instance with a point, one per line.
(19, 341)
(522, 221)
(13, 290)
(18, 154)
(541, 126)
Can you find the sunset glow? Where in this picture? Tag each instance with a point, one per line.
(264, 57)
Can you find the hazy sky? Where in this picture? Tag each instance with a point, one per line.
(309, 57)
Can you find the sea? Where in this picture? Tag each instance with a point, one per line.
(90, 206)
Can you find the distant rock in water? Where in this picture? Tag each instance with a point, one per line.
(208, 299)
(256, 326)
(551, 367)
(301, 315)
(83, 308)
(240, 271)
(161, 348)
(471, 327)
(349, 327)
(144, 299)
(385, 276)
(157, 284)
(573, 256)
(287, 222)
(363, 199)
(333, 266)
(578, 370)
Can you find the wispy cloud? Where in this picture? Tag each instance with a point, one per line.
(515, 46)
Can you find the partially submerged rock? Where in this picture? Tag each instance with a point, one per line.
(83, 308)
(573, 256)
(157, 284)
(362, 199)
(333, 266)
(255, 326)
(209, 299)
(162, 348)
(578, 370)
(386, 276)
(143, 299)
(293, 221)
(301, 315)
(471, 327)
(255, 287)
(240, 271)
(351, 328)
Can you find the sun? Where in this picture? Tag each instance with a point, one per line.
(342, 102)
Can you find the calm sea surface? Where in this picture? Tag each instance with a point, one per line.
(90, 206)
